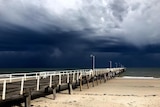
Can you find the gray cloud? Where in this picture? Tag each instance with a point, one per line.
(45, 30)
(119, 9)
(135, 21)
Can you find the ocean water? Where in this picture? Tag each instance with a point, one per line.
(27, 70)
(24, 70)
(142, 72)
(135, 72)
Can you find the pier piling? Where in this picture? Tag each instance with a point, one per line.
(87, 79)
(105, 77)
(27, 96)
(97, 79)
(92, 81)
(54, 93)
(80, 83)
(70, 88)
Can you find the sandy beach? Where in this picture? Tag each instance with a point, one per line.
(118, 92)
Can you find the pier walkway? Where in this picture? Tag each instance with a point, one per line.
(25, 85)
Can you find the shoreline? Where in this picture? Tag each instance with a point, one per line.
(139, 77)
(118, 92)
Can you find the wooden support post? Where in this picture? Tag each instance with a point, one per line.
(46, 90)
(118, 74)
(59, 88)
(27, 96)
(87, 79)
(76, 84)
(70, 88)
(97, 80)
(105, 78)
(100, 79)
(92, 81)
(80, 83)
(109, 76)
(114, 74)
(54, 93)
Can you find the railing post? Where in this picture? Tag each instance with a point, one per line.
(67, 77)
(4, 90)
(22, 86)
(36, 75)
(77, 76)
(45, 75)
(38, 83)
(50, 82)
(25, 76)
(10, 78)
(73, 77)
(59, 79)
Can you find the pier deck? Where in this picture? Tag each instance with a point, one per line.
(25, 85)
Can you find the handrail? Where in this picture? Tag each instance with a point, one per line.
(13, 76)
(21, 77)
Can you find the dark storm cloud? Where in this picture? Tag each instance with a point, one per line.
(27, 48)
(27, 38)
(59, 33)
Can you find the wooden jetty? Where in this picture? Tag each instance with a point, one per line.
(26, 85)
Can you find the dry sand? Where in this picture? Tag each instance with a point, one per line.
(118, 92)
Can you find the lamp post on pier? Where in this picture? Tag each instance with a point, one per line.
(93, 61)
(110, 64)
(116, 65)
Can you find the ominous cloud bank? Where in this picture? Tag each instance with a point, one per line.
(59, 33)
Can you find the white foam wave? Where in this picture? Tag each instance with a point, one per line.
(132, 77)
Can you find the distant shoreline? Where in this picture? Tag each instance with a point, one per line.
(137, 77)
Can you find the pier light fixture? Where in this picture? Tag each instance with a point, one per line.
(116, 65)
(93, 61)
(110, 64)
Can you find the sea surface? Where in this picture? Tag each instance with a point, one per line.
(142, 72)
(135, 72)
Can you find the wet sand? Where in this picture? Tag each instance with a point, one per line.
(118, 92)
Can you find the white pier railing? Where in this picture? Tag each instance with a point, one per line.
(77, 74)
